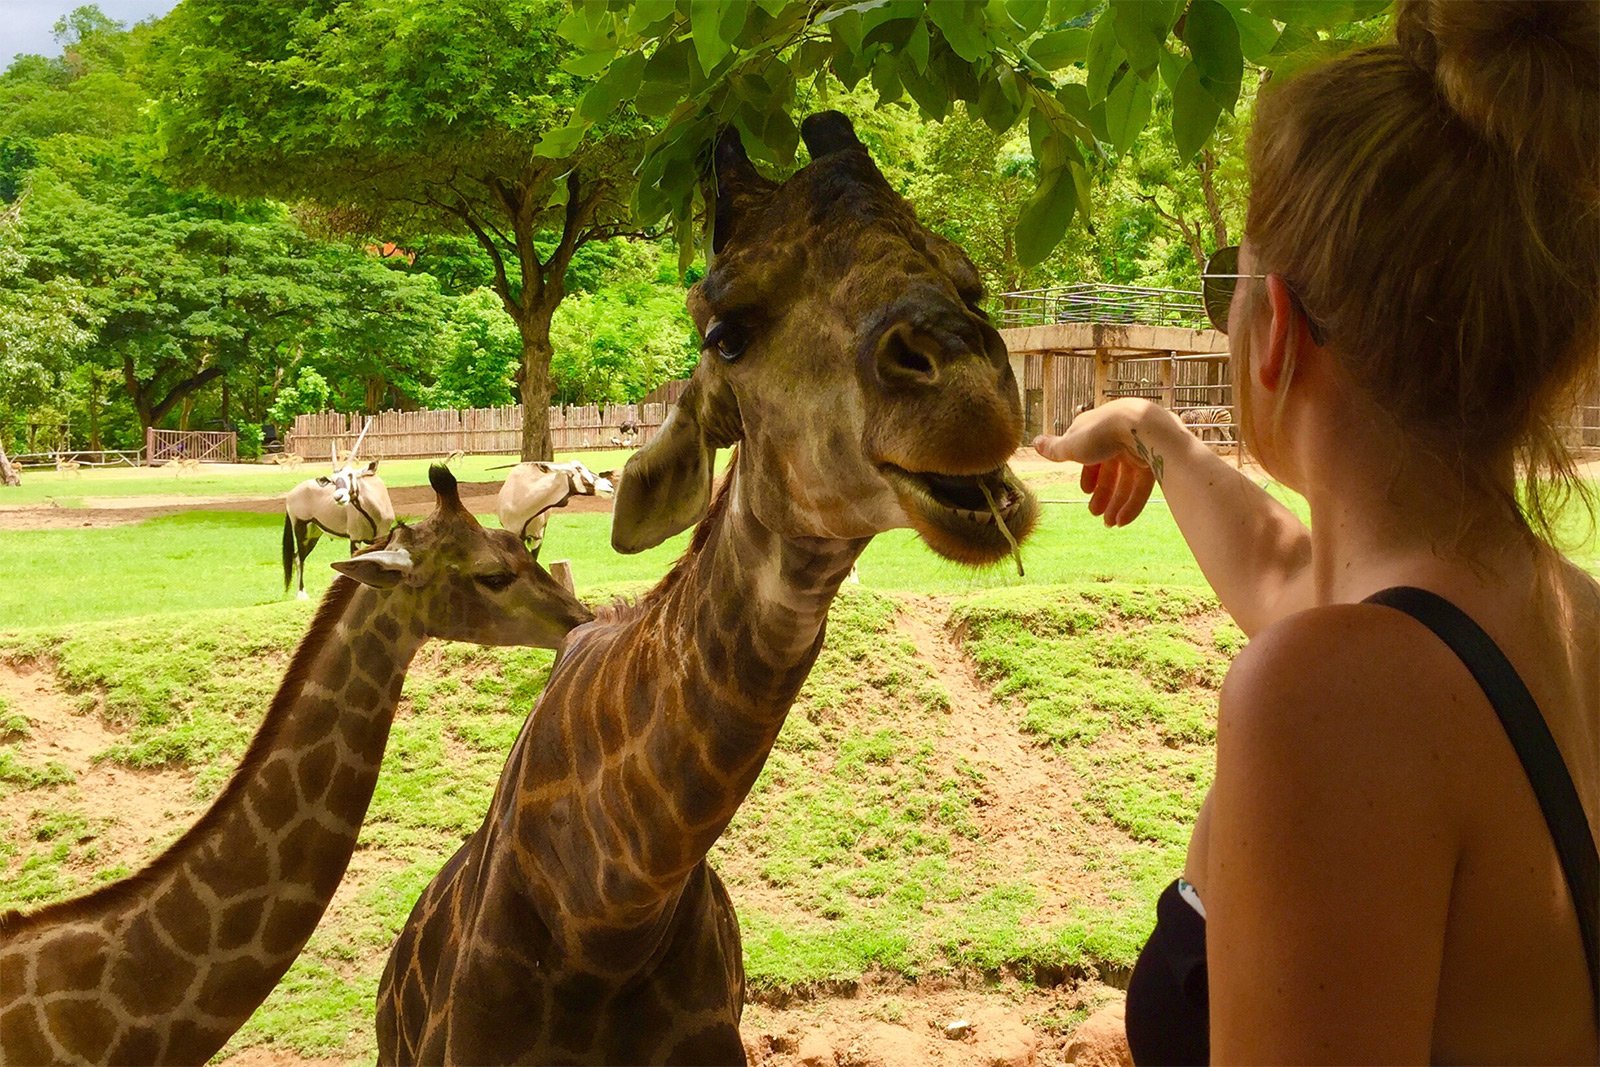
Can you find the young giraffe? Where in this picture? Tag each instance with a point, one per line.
(163, 966)
(846, 355)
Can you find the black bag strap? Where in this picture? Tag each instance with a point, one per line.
(1541, 760)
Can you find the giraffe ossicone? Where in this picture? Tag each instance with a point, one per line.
(164, 965)
(847, 357)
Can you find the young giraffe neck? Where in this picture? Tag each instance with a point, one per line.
(165, 965)
(664, 722)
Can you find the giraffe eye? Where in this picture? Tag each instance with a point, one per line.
(497, 581)
(727, 339)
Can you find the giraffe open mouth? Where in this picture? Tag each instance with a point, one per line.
(952, 512)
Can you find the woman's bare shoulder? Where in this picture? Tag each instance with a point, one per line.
(1345, 692)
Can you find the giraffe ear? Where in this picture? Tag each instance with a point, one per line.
(666, 485)
(382, 568)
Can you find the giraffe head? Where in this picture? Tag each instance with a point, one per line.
(846, 354)
(460, 581)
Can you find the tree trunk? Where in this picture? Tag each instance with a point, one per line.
(8, 473)
(94, 410)
(536, 387)
(1206, 165)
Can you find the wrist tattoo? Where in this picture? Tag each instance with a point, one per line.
(1148, 457)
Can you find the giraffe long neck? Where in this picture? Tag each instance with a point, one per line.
(165, 965)
(652, 730)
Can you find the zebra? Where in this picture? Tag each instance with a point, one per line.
(1206, 421)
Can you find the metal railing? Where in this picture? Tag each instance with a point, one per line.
(1087, 302)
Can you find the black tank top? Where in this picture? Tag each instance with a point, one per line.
(1168, 998)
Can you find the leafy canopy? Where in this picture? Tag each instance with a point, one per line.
(1082, 75)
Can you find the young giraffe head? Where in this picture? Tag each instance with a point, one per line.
(461, 581)
(846, 354)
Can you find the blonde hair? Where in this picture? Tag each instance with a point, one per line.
(1435, 205)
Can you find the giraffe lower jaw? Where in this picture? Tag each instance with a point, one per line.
(953, 516)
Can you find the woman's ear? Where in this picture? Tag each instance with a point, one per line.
(1287, 334)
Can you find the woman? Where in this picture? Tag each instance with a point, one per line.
(1372, 877)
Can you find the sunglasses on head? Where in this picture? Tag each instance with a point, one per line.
(1221, 277)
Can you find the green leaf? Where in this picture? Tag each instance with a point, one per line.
(1074, 101)
(561, 141)
(917, 46)
(1141, 28)
(1318, 14)
(1044, 218)
(1081, 187)
(886, 80)
(927, 91)
(1127, 110)
(617, 85)
(1213, 41)
(705, 25)
(772, 7)
(732, 22)
(589, 27)
(1027, 15)
(1171, 66)
(998, 111)
(1103, 59)
(587, 64)
(1194, 113)
(647, 13)
(783, 136)
(1257, 35)
(1060, 48)
(960, 22)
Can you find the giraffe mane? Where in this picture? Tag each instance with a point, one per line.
(621, 610)
(333, 605)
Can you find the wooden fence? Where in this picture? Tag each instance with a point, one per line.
(170, 446)
(480, 431)
(1056, 387)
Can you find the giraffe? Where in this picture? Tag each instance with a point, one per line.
(846, 356)
(163, 966)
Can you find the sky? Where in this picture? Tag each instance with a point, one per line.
(28, 25)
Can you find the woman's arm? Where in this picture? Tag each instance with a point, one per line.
(1254, 551)
(1332, 845)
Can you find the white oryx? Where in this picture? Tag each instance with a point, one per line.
(351, 502)
(532, 489)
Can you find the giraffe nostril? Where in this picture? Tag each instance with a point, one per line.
(907, 356)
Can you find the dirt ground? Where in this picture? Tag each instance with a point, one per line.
(105, 511)
(880, 1021)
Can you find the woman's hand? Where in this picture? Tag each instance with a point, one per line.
(1119, 467)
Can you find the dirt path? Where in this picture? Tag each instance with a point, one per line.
(131, 813)
(104, 511)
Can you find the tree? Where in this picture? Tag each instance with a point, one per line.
(1082, 75)
(450, 116)
(43, 326)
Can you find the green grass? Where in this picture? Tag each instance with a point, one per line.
(862, 846)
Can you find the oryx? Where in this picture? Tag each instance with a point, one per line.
(532, 489)
(351, 502)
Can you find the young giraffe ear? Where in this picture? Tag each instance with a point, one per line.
(666, 485)
(382, 568)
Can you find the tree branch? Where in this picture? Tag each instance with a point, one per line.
(181, 390)
(1191, 234)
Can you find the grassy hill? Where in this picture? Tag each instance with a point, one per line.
(991, 783)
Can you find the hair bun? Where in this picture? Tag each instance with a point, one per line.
(1524, 73)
